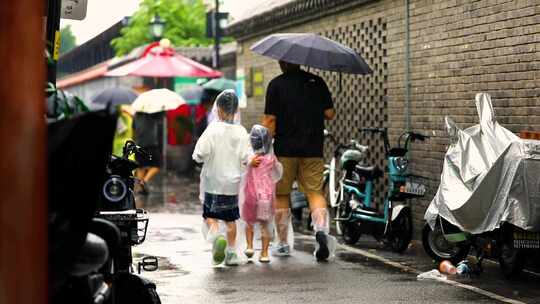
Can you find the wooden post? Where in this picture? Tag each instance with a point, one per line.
(23, 204)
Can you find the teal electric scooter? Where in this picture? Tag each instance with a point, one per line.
(352, 199)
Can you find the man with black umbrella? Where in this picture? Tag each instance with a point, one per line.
(297, 104)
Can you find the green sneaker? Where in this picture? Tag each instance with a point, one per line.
(218, 250)
(232, 259)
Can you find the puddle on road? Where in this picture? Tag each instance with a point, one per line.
(181, 229)
(164, 264)
(158, 236)
(183, 253)
(170, 234)
(226, 291)
(371, 265)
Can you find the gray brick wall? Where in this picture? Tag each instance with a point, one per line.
(458, 48)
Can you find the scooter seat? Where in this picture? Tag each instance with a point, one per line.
(371, 172)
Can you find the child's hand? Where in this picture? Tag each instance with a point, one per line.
(256, 161)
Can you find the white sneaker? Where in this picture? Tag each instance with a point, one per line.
(232, 259)
(282, 250)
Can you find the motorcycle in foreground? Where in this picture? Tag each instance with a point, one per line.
(488, 198)
(351, 194)
(117, 206)
(88, 261)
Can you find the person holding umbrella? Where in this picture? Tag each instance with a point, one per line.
(120, 98)
(148, 126)
(297, 104)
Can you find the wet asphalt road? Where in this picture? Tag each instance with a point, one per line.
(187, 276)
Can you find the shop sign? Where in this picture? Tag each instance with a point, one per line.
(74, 9)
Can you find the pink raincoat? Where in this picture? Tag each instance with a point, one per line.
(259, 189)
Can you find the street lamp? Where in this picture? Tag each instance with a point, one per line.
(157, 26)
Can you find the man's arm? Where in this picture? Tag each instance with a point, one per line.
(326, 99)
(269, 121)
(329, 114)
(271, 108)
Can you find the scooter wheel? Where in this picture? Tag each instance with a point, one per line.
(350, 233)
(401, 232)
(439, 249)
(512, 261)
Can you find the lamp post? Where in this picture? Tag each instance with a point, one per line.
(215, 22)
(157, 27)
(217, 36)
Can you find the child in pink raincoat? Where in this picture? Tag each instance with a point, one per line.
(259, 190)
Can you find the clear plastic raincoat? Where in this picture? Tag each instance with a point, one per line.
(259, 184)
(223, 148)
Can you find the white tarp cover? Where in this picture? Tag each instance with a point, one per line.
(489, 176)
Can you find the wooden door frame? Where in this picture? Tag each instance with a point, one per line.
(23, 204)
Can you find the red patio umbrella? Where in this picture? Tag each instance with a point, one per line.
(160, 61)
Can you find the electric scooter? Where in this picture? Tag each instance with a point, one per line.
(352, 196)
(117, 206)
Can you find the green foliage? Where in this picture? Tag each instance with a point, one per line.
(67, 39)
(184, 24)
(61, 105)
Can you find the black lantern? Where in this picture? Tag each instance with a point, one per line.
(157, 26)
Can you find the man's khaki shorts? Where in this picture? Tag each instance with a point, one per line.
(307, 171)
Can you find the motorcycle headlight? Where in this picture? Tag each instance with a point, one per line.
(115, 189)
(401, 163)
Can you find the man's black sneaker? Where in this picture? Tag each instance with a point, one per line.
(323, 252)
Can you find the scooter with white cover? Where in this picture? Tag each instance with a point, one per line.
(489, 195)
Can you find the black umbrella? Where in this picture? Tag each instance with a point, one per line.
(115, 96)
(312, 50)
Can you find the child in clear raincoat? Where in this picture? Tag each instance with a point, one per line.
(223, 148)
(257, 203)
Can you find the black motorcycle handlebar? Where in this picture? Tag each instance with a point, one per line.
(408, 136)
(373, 130)
(131, 147)
(417, 136)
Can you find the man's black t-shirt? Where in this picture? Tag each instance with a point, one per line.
(298, 99)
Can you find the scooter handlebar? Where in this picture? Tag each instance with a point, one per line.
(361, 148)
(417, 136)
(354, 144)
(373, 130)
(131, 147)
